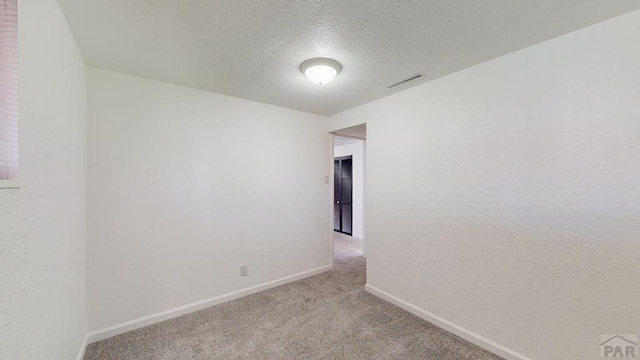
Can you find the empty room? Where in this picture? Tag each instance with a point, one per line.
(319, 179)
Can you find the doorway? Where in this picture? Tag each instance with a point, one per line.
(343, 195)
(348, 210)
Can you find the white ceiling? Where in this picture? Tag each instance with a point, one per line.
(350, 135)
(358, 131)
(339, 141)
(253, 49)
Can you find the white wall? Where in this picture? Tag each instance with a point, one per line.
(357, 151)
(186, 185)
(43, 224)
(505, 198)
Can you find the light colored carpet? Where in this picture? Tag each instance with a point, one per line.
(327, 316)
(346, 247)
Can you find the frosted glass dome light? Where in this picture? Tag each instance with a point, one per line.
(321, 70)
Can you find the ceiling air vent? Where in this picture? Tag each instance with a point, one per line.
(411, 78)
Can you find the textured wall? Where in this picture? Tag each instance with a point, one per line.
(186, 185)
(505, 198)
(42, 225)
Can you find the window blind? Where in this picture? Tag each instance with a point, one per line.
(8, 90)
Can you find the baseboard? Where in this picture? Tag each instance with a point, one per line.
(83, 347)
(175, 312)
(449, 326)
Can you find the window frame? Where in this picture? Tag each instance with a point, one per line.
(14, 181)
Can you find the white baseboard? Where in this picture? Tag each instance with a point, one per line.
(175, 312)
(449, 326)
(83, 347)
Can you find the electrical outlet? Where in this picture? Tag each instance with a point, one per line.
(243, 270)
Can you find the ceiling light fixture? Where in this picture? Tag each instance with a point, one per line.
(320, 70)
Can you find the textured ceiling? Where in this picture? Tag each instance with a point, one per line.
(358, 131)
(339, 141)
(253, 49)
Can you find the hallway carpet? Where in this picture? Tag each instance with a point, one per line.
(327, 316)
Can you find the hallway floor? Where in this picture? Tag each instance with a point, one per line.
(327, 316)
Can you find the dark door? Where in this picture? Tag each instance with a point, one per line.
(343, 195)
